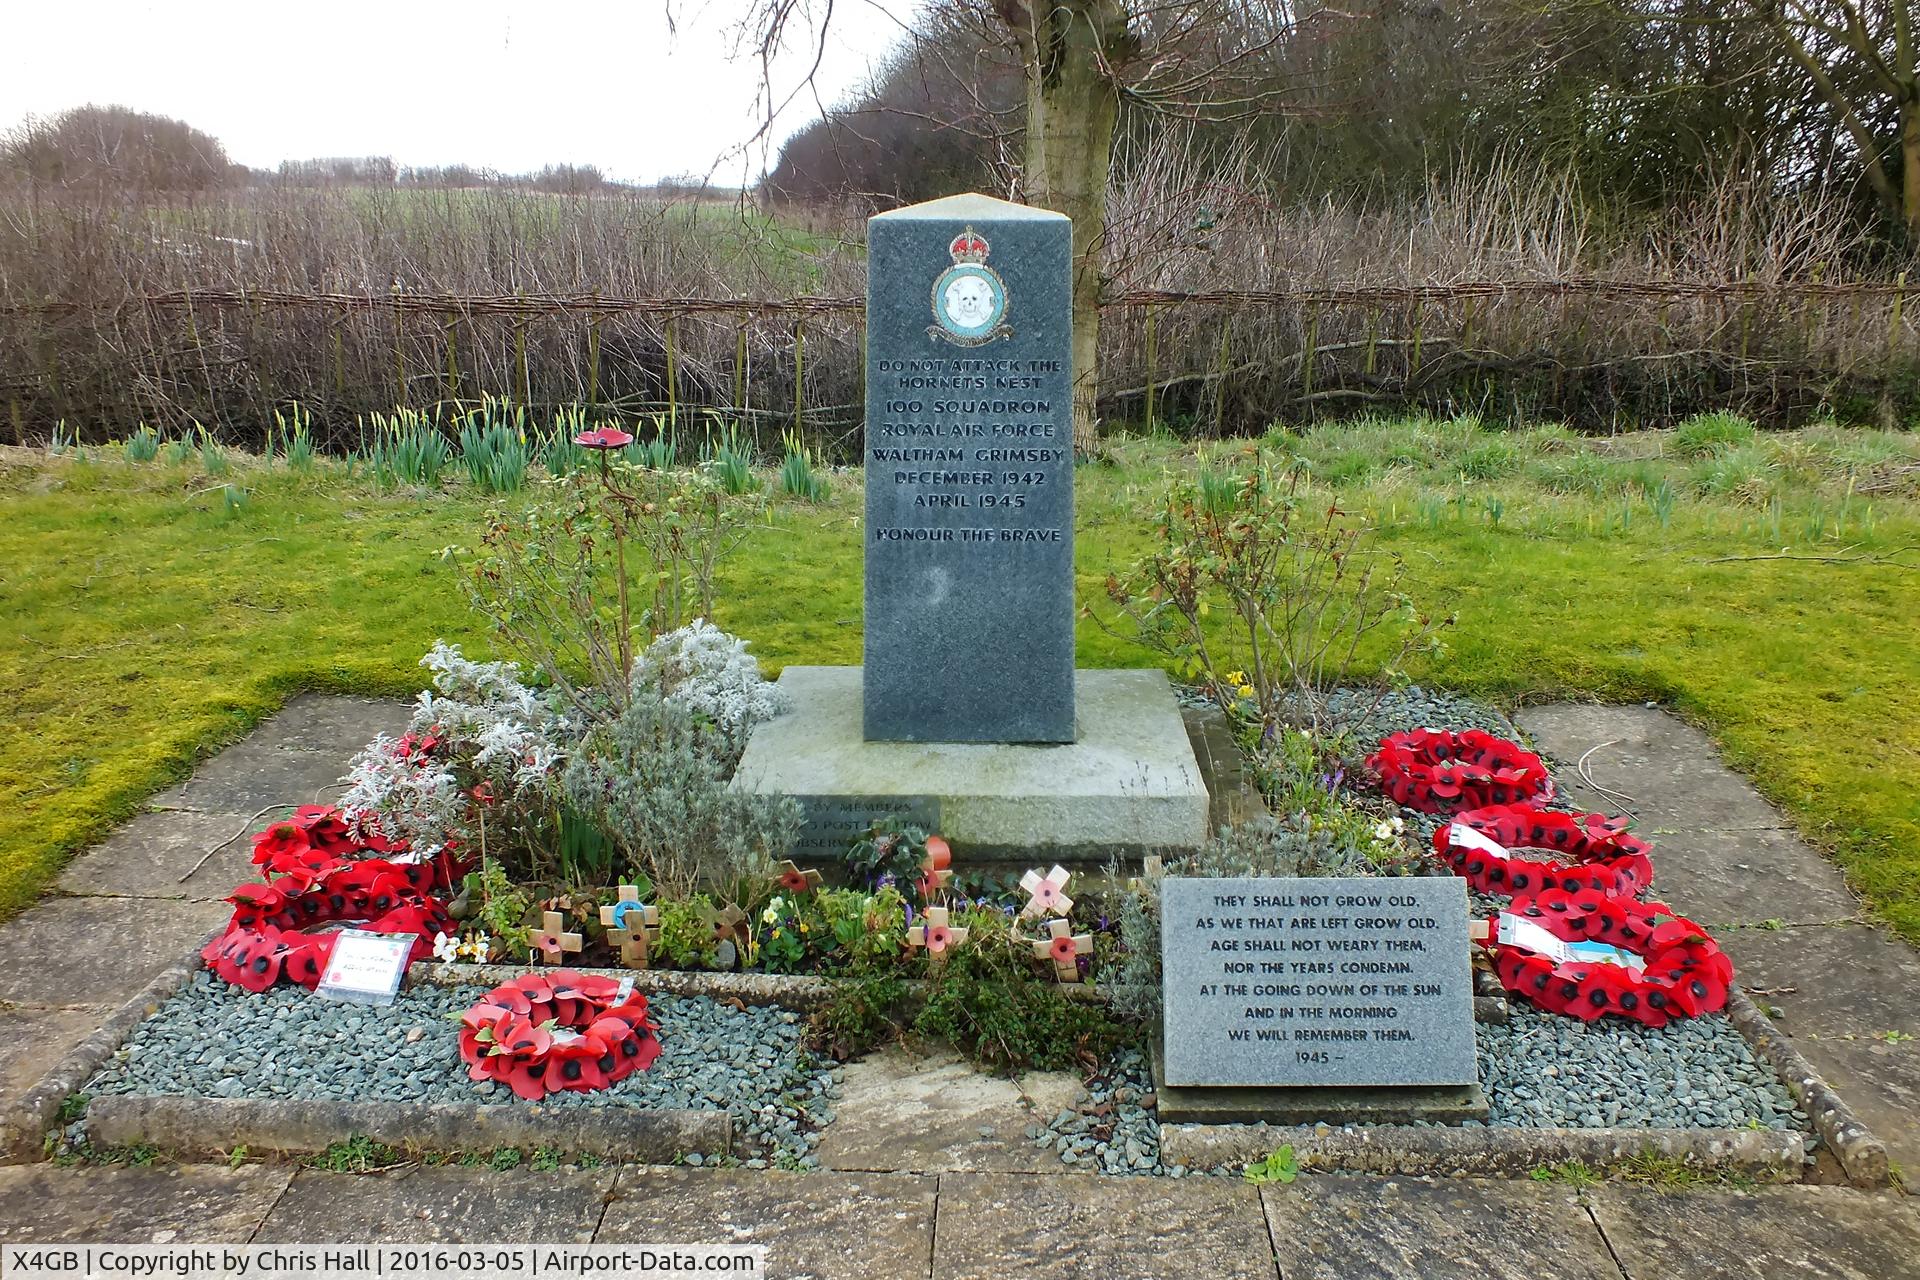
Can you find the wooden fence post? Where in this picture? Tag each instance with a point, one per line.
(1152, 365)
(799, 378)
(673, 373)
(399, 354)
(593, 362)
(1899, 302)
(522, 385)
(339, 363)
(740, 366)
(1224, 363)
(453, 361)
(1310, 352)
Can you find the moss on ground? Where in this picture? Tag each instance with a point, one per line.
(147, 623)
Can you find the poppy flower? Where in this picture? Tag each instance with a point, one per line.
(603, 438)
(279, 841)
(1063, 950)
(249, 959)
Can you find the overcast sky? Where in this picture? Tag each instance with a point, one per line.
(490, 83)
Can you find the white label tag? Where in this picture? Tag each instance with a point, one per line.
(565, 1035)
(365, 968)
(1462, 836)
(1601, 953)
(1518, 931)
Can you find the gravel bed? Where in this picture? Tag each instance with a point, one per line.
(1544, 1071)
(1540, 1071)
(214, 1040)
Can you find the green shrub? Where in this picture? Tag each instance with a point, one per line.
(1706, 434)
(686, 937)
(652, 781)
(1298, 588)
(989, 1003)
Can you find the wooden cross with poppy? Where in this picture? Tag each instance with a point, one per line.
(1064, 947)
(794, 880)
(632, 926)
(550, 941)
(937, 935)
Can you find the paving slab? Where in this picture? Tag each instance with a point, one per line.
(825, 1226)
(1775, 1233)
(932, 1113)
(250, 775)
(68, 951)
(999, 1226)
(1336, 1227)
(333, 723)
(146, 857)
(33, 1038)
(1746, 877)
(158, 1204)
(1851, 985)
(423, 1205)
(1671, 770)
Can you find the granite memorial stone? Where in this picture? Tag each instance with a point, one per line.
(1317, 982)
(969, 460)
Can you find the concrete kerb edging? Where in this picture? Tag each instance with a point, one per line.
(1862, 1155)
(24, 1125)
(1489, 1151)
(280, 1124)
(215, 1126)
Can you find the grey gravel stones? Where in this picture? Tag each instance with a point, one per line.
(214, 1040)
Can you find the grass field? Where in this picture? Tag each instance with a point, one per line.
(147, 621)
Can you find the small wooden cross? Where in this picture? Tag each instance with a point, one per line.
(632, 927)
(794, 880)
(937, 936)
(551, 942)
(1047, 895)
(1064, 947)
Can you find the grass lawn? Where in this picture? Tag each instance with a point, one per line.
(146, 623)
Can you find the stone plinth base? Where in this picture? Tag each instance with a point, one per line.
(1311, 1104)
(1127, 786)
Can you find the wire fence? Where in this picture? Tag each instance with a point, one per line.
(1593, 351)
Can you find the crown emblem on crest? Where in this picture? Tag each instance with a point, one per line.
(969, 246)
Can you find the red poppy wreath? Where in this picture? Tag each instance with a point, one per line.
(1478, 845)
(1443, 771)
(1685, 973)
(318, 882)
(562, 1030)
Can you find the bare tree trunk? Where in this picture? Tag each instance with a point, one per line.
(1071, 47)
